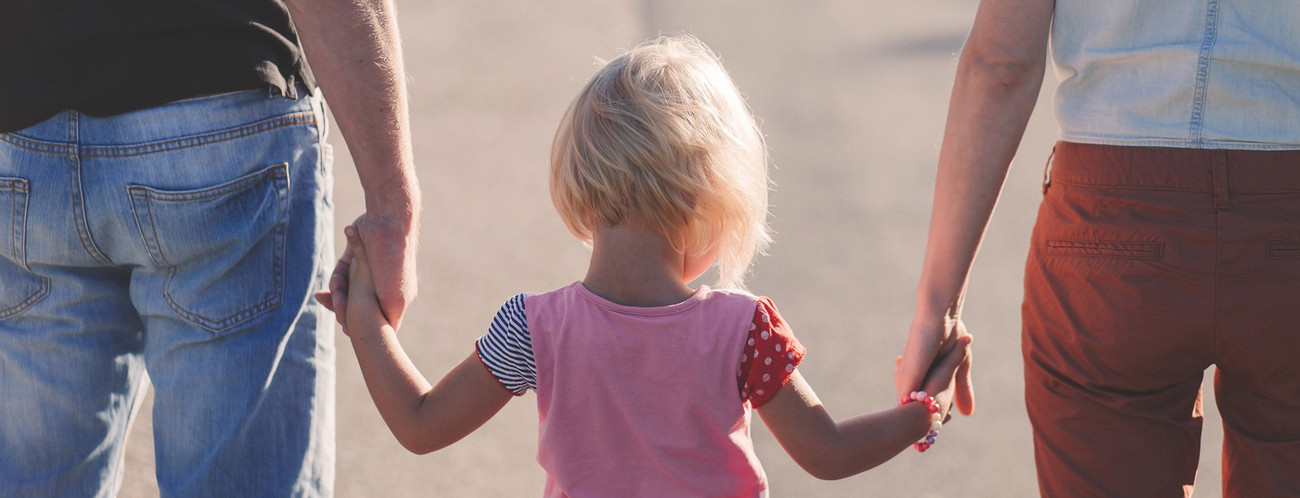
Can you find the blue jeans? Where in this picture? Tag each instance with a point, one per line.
(184, 241)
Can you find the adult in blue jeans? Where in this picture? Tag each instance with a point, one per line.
(165, 208)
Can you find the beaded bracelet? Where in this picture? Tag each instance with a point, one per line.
(936, 420)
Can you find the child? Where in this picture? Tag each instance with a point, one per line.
(643, 384)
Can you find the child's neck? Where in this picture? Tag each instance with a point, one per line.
(634, 266)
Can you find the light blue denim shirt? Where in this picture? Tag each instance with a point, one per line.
(1214, 74)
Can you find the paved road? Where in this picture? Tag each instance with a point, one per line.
(852, 97)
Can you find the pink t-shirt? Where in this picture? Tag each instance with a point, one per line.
(640, 401)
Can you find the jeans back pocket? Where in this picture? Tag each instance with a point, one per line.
(221, 247)
(19, 287)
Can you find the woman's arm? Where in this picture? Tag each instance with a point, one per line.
(998, 78)
(423, 418)
(834, 450)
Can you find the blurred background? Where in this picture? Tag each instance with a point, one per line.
(851, 97)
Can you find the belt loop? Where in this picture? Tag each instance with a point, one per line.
(1219, 168)
(1047, 170)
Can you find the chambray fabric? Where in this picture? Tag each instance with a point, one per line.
(184, 241)
(1206, 74)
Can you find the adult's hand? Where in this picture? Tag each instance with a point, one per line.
(355, 52)
(391, 249)
(927, 340)
(998, 77)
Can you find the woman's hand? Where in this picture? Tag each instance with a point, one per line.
(998, 78)
(944, 380)
(926, 341)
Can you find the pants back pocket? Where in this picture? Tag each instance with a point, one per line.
(221, 247)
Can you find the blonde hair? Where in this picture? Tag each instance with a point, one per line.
(662, 135)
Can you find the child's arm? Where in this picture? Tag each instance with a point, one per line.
(831, 450)
(423, 419)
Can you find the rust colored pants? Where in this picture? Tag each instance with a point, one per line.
(1147, 266)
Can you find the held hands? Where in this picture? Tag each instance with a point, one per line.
(358, 300)
(927, 340)
(943, 378)
(391, 260)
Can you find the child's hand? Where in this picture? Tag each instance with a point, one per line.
(941, 380)
(361, 301)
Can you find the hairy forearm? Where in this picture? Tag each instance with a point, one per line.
(991, 102)
(396, 386)
(356, 55)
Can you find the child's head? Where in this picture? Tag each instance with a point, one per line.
(661, 136)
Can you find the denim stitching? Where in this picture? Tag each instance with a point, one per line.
(13, 236)
(154, 254)
(209, 138)
(279, 175)
(27, 303)
(78, 202)
(19, 187)
(1197, 123)
(276, 171)
(157, 241)
(20, 216)
(282, 229)
(35, 145)
(224, 323)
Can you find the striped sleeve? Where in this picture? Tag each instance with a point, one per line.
(507, 349)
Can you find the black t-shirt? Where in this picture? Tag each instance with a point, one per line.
(106, 57)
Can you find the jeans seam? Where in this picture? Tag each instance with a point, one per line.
(204, 139)
(37, 145)
(162, 259)
(219, 325)
(30, 144)
(36, 297)
(79, 214)
(275, 171)
(1197, 122)
(13, 235)
(18, 244)
(74, 186)
(17, 186)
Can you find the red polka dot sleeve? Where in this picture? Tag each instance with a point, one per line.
(770, 356)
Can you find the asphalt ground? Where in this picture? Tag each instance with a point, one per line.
(851, 97)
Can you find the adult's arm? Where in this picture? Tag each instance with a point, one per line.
(356, 55)
(998, 78)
